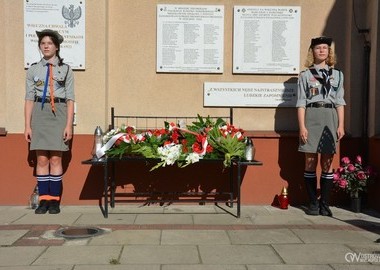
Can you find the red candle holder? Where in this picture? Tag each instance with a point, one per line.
(283, 199)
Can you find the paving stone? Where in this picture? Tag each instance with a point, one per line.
(136, 209)
(330, 236)
(355, 267)
(288, 267)
(76, 255)
(263, 236)
(16, 256)
(221, 218)
(203, 267)
(281, 219)
(164, 219)
(312, 253)
(117, 267)
(62, 218)
(9, 215)
(197, 237)
(8, 237)
(128, 237)
(190, 209)
(39, 267)
(97, 218)
(141, 254)
(238, 254)
(369, 252)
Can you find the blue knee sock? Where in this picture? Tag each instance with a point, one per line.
(55, 185)
(43, 184)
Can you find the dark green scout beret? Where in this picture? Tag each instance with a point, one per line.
(320, 40)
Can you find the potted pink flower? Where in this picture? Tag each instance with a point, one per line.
(353, 177)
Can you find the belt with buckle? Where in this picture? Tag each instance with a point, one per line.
(47, 99)
(320, 105)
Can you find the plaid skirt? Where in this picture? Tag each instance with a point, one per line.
(47, 127)
(322, 125)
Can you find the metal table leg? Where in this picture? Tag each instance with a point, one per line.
(106, 190)
(238, 188)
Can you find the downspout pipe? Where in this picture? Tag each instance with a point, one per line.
(365, 100)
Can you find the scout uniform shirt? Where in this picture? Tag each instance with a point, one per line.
(310, 88)
(62, 77)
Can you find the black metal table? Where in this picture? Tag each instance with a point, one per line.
(108, 177)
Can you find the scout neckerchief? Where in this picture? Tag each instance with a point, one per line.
(324, 80)
(49, 80)
(45, 86)
(51, 88)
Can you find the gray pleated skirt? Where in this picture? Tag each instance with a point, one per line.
(322, 124)
(47, 127)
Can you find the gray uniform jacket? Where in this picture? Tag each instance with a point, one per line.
(62, 76)
(310, 89)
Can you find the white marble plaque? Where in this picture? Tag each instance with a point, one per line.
(266, 39)
(220, 94)
(65, 16)
(190, 38)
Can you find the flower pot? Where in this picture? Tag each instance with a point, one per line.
(356, 204)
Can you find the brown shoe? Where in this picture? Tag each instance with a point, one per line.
(42, 207)
(54, 207)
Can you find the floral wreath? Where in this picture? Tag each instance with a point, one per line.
(184, 145)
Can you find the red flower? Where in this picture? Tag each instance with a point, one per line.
(350, 168)
(361, 175)
(200, 146)
(346, 160)
(209, 149)
(184, 146)
(175, 137)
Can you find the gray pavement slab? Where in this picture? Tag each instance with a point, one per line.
(128, 237)
(17, 256)
(312, 253)
(204, 267)
(281, 219)
(62, 218)
(98, 218)
(8, 237)
(39, 267)
(330, 236)
(238, 254)
(164, 219)
(289, 267)
(143, 254)
(202, 209)
(188, 237)
(78, 255)
(117, 267)
(263, 236)
(197, 237)
(222, 218)
(354, 267)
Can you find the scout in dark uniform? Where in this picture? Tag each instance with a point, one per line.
(320, 107)
(49, 110)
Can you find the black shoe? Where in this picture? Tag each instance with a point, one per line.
(313, 209)
(54, 207)
(324, 209)
(42, 207)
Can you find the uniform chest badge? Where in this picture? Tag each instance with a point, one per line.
(37, 81)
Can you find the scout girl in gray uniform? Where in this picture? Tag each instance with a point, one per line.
(320, 108)
(49, 110)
